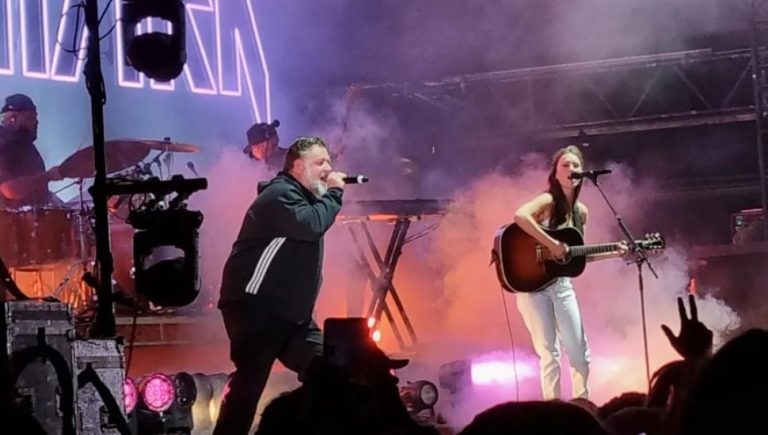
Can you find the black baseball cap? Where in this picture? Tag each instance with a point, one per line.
(260, 132)
(18, 103)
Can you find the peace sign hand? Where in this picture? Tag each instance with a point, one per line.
(695, 339)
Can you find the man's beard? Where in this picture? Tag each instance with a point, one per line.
(317, 186)
(25, 135)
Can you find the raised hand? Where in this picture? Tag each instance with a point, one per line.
(695, 339)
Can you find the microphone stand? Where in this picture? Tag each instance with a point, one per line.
(640, 260)
(104, 326)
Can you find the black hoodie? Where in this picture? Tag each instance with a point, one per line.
(276, 261)
(19, 157)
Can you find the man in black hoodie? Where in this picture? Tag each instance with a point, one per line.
(272, 278)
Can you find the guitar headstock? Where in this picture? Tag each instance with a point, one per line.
(652, 242)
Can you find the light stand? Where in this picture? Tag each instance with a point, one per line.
(640, 259)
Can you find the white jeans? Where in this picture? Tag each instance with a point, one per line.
(550, 313)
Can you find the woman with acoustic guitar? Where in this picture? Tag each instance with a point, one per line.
(553, 309)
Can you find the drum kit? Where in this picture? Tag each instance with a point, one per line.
(48, 249)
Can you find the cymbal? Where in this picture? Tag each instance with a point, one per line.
(171, 147)
(120, 154)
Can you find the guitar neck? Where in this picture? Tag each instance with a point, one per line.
(584, 250)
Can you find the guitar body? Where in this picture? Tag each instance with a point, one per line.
(521, 262)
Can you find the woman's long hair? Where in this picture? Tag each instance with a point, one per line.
(561, 208)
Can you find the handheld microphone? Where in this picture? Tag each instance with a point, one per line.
(355, 179)
(589, 174)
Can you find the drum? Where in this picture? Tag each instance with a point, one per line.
(32, 236)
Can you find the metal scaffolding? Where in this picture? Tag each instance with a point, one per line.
(638, 93)
(759, 64)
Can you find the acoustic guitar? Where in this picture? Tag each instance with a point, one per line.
(523, 265)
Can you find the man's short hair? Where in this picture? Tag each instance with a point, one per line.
(299, 147)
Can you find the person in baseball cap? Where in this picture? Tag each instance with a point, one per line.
(20, 116)
(262, 140)
(23, 178)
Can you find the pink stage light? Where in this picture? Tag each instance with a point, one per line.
(130, 395)
(158, 392)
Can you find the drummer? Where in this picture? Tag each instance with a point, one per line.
(263, 146)
(23, 178)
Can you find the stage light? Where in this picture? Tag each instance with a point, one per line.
(160, 56)
(376, 336)
(157, 392)
(166, 256)
(419, 396)
(178, 418)
(130, 395)
(185, 389)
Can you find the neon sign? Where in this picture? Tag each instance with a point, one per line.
(225, 54)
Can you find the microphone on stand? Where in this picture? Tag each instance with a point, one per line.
(191, 167)
(589, 174)
(355, 179)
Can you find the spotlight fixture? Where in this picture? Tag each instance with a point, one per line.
(178, 418)
(419, 396)
(165, 241)
(185, 389)
(157, 392)
(160, 56)
(130, 395)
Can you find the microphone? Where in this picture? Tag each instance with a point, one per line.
(356, 179)
(191, 167)
(589, 174)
